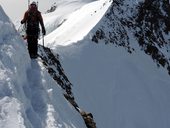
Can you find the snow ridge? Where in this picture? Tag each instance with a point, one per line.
(29, 98)
(53, 65)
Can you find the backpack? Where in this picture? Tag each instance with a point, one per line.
(32, 24)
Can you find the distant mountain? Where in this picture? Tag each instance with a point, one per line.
(146, 23)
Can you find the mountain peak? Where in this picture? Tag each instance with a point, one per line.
(146, 22)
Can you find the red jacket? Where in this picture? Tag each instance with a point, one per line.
(37, 17)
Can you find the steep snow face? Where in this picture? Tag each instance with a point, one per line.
(13, 70)
(12, 52)
(122, 90)
(29, 98)
(145, 22)
(137, 87)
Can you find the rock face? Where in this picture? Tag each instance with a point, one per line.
(146, 23)
(52, 9)
(54, 68)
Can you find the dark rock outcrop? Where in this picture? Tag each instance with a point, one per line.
(146, 23)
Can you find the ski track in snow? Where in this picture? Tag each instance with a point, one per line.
(36, 94)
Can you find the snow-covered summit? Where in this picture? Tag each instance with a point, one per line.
(144, 22)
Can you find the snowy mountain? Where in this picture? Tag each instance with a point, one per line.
(114, 53)
(124, 83)
(130, 89)
(146, 22)
(29, 97)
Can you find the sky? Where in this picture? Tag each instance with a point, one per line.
(15, 8)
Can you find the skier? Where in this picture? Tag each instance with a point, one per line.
(32, 18)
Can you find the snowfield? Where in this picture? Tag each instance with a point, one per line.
(120, 89)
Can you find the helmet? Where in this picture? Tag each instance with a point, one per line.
(33, 3)
(33, 6)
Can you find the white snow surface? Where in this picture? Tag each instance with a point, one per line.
(75, 20)
(29, 98)
(121, 90)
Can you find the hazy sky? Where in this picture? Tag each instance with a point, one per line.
(15, 9)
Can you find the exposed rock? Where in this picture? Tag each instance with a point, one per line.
(54, 68)
(148, 23)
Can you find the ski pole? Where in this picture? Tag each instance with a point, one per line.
(43, 40)
(19, 28)
(28, 3)
(37, 4)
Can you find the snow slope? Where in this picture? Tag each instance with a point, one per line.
(73, 21)
(122, 90)
(29, 98)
